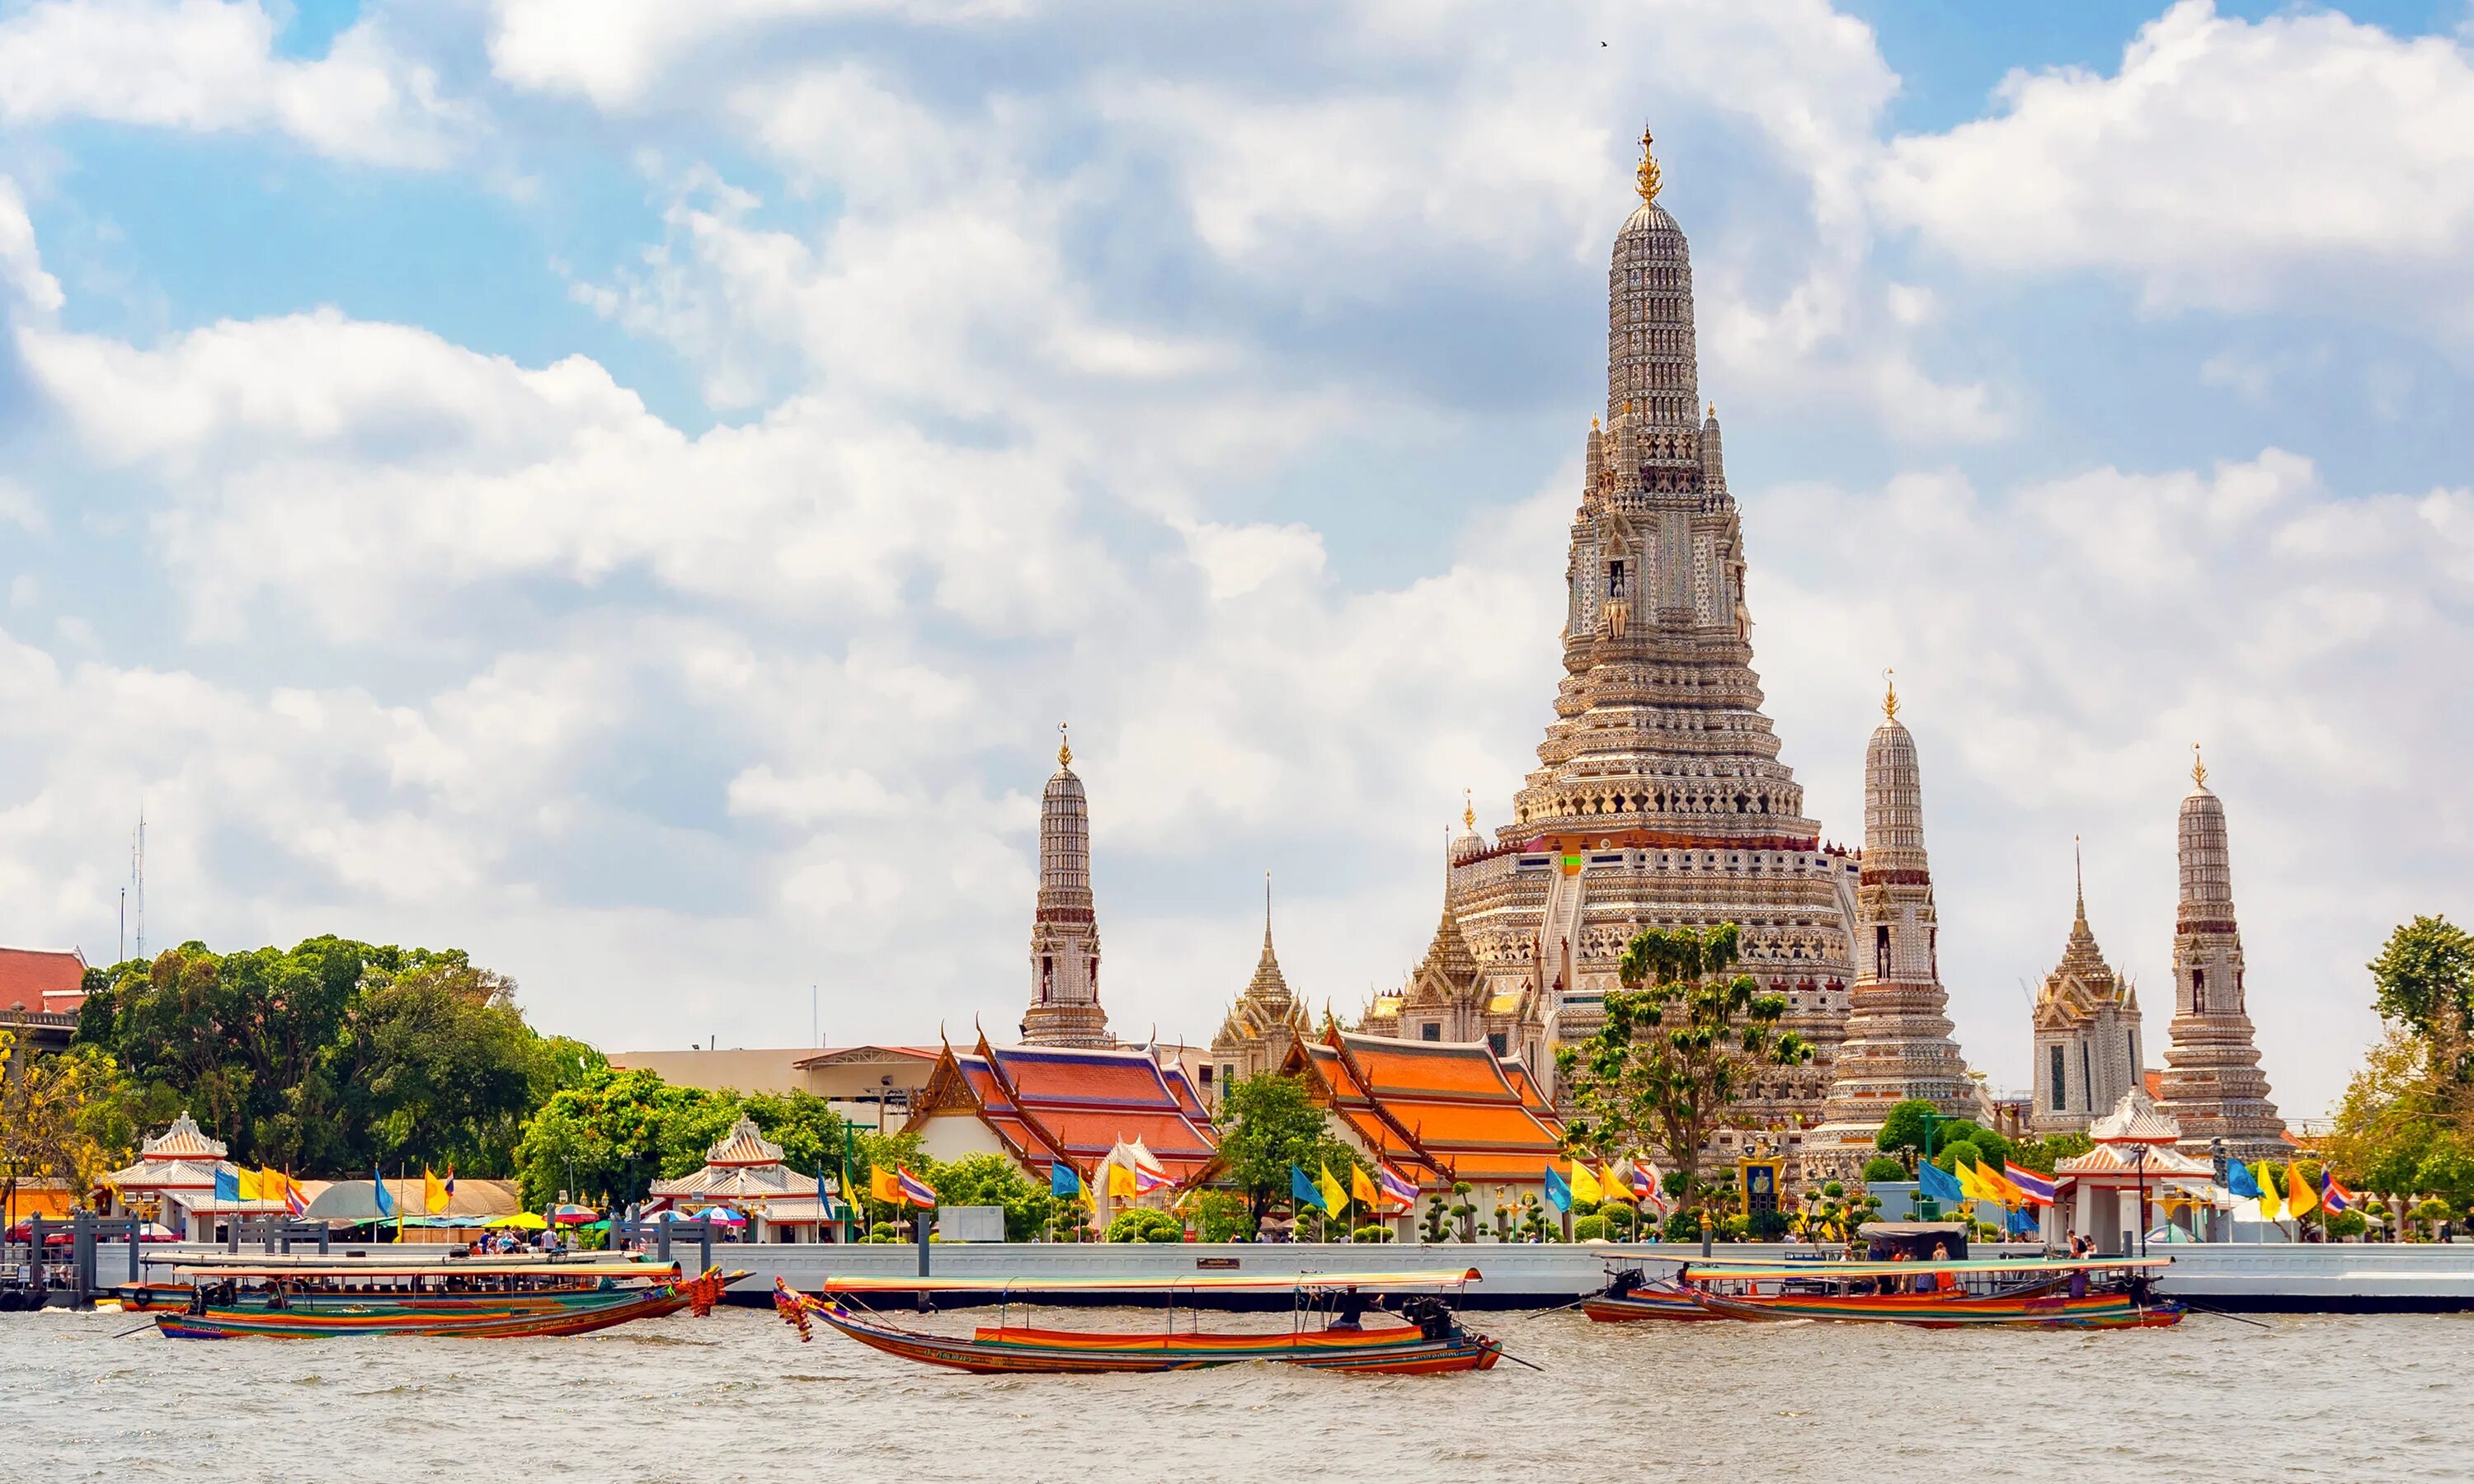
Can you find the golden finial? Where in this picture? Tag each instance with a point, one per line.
(2198, 769)
(1645, 177)
(1713, 411)
(1891, 697)
(1064, 747)
(1468, 811)
(1594, 424)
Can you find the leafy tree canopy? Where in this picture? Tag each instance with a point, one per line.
(2424, 980)
(1268, 1123)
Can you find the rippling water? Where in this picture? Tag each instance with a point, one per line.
(736, 1396)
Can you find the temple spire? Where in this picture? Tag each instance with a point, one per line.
(1890, 695)
(1065, 1008)
(2198, 768)
(2212, 1083)
(1645, 175)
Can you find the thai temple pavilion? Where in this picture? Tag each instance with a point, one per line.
(1256, 1034)
(173, 1183)
(2213, 1085)
(1660, 800)
(1044, 1106)
(1436, 1111)
(2108, 1192)
(1898, 1040)
(743, 1172)
(1064, 930)
(2087, 1035)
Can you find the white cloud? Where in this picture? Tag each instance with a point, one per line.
(25, 288)
(210, 66)
(2305, 161)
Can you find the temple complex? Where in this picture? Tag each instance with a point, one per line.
(2087, 1035)
(1259, 1029)
(743, 1172)
(1659, 799)
(174, 1183)
(1898, 1040)
(2113, 1192)
(1065, 1008)
(2213, 1085)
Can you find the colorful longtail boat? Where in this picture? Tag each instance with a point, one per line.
(1433, 1341)
(1628, 1298)
(477, 1297)
(2027, 1292)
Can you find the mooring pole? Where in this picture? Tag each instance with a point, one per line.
(922, 1222)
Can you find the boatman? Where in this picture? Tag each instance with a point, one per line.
(1350, 1310)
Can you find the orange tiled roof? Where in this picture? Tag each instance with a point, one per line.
(43, 980)
(1047, 1103)
(1451, 1106)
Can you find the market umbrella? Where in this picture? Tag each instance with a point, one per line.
(573, 1216)
(723, 1214)
(523, 1220)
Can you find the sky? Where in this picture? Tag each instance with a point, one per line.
(631, 490)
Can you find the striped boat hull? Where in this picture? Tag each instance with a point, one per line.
(1658, 1302)
(1935, 1311)
(1389, 1351)
(494, 1316)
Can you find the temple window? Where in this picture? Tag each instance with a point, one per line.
(2199, 992)
(2087, 1073)
(1430, 1031)
(1495, 1042)
(1882, 951)
(2060, 1099)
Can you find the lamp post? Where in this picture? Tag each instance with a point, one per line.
(2139, 1162)
(2217, 1158)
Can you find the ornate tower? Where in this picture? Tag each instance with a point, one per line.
(1266, 1020)
(2087, 1035)
(2213, 1085)
(1064, 932)
(1898, 1038)
(1660, 800)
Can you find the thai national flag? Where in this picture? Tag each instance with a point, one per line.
(915, 1190)
(1145, 1181)
(2037, 1187)
(1644, 1185)
(2334, 1196)
(1394, 1185)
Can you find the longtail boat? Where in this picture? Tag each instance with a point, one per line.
(1327, 1331)
(2103, 1293)
(476, 1297)
(1629, 1296)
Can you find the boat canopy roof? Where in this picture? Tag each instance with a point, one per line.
(1243, 1283)
(411, 1255)
(1716, 1267)
(470, 1268)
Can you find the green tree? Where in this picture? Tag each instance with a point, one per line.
(62, 1117)
(2041, 1155)
(1269, 1123)
(993, 1180)
(1881, 1167)
(618, 1132)
(2424, 980)
(1679, 1045)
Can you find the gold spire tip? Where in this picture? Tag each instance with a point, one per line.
(1064, 747)
(1645, 177)
(2198, 768)
(1890, 696)
(1468, 811)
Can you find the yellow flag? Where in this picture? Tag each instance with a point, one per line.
(1121, 1183)
(1972, 1181)
(1361, 1186)
(433, 1192)
(882, 1185)
(2301, 1200)
(2271, 1209)
(1333, 1196)
(1615, 1189)
(247, 1180)
(1584, 1186)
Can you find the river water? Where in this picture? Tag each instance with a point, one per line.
(736, 1396)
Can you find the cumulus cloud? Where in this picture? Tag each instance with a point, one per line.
(25, 288)
(2302, 161)
(211, 66)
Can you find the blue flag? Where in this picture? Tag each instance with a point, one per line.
(226, 1185)
(386, 1201)
(1559, 1191)
(1301, 1189)
(1937, 1184)
(2239, 1181)
(1063, 1182)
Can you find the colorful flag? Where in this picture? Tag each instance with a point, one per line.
(1934, 1183)
(433, 1192)
(1301, 1189)
(384, 1198)
(915, 1190)
(2038, 1188)
(296, 1201)
(1062, 1182)
(1559, 1191)
(1146, 1182)
(1396, 1185)
(1121, 1183)
(883, 1186)
(1584, 1186)
(2002, 1187)
(2334, 1196)
(2270, 1206)
(1610, 1183)
(2301, 1200)
(226, 1185)
(1644, 1185)
(245, 1184)
(2239, 1181)
(1362, 1187)
(1334, 1197)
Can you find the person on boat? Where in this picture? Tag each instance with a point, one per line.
(1348, 1310)
(1935, 1283)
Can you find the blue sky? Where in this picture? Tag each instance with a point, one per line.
(630, 489)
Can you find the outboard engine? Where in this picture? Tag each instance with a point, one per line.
(1623, 1284)
(1432, 1316)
